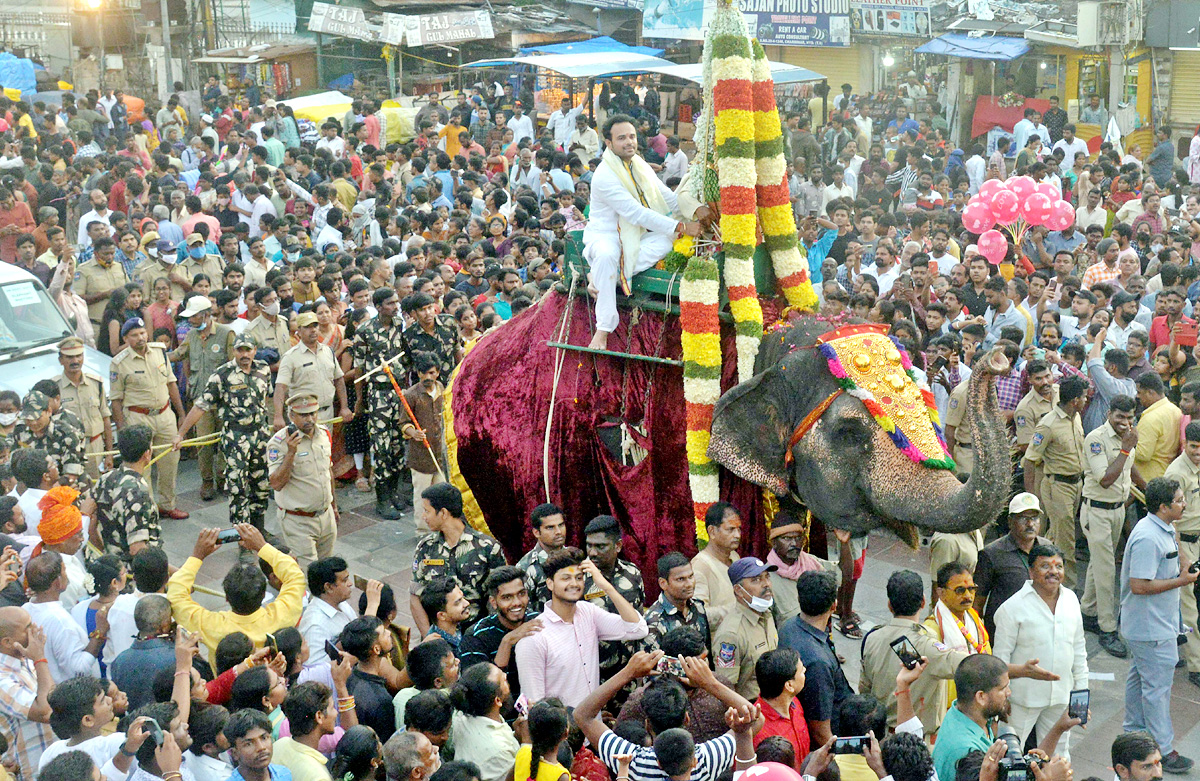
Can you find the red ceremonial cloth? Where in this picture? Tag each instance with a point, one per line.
(988, 115)
(500, 402)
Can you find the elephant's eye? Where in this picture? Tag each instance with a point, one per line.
(850, 433)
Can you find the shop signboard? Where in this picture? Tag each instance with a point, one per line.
(799, 22)
(353, 23)
(450, 27)
(684, 20)
(890, 17)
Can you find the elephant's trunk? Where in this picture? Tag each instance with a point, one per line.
(944, 504)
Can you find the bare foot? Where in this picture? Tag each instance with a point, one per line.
(599, 341)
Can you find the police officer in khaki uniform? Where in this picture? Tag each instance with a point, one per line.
(1042, 397)
(209, 265)
(207, 345)
(143, 390)
(1106, 484)
(96, 279)
(83, 393)
(163, 266)
(958, 436)
(309, 367)
(906, 601)
(748, 630)
(1186, 469)
(299, 465)
(270, 329)
(1057, 444)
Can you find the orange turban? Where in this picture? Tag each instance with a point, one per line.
(61, 519)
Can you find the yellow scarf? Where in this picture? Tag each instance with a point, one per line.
(639, 180)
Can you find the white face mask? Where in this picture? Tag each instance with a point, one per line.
(8, 418)
(271, 309)
(758, 604)
(152, 252)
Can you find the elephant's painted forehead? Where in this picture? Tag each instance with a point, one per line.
(875, 370)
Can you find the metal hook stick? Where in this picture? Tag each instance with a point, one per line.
(379, 368)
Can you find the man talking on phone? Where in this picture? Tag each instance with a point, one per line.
(299, 458)
(882, 648)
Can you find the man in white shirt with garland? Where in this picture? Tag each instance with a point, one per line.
(630, 227)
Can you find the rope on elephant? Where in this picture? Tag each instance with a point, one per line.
(564, 328)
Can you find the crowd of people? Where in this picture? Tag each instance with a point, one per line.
(261, 281)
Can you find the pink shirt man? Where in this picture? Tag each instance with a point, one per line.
(563, 660)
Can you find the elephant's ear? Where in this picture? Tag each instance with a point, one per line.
(750, 430)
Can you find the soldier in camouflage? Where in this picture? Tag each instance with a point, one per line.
(62, 442)
(59, 414)
(430, 334)
(676, 606)
(453, 550)
(126, 515)
(550, 531)
(380, 340)
(239, 393)
(602, 537)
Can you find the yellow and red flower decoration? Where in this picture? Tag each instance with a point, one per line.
(740, 168)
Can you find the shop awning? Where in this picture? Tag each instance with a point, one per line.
(781, 72)
(983, 48)
(579, 66)
(591, 66)
(604, 44)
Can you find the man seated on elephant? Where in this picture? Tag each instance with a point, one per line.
(630, 226)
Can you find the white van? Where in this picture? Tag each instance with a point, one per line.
(31, 326)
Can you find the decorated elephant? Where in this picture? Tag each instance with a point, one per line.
(533, 424)
(833, 416)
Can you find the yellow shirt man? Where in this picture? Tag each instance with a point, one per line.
(213, 625)
(1158, 436)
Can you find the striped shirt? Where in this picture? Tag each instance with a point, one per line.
(713, 757)
(26, 739)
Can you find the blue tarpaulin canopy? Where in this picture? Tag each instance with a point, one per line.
(994, 47)
(16, 73)
(600, 45)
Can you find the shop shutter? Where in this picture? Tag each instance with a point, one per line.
(839, 64)
(1185, 98)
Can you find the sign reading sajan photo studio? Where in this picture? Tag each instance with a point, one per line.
(799, 22)
(890, 17)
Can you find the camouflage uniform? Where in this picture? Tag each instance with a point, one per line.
(375, 343)
(63, 443)
(662, 617)
(468, 563)
(533, 565)
(627, 579)
(125, 512)
(242, 404)
(443, 344)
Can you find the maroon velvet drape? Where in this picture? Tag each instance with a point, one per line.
(502, 395)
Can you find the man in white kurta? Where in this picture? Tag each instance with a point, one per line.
(1042, 621)
(630, 226)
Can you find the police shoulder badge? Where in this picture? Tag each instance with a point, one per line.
(1020, 420)
(725, 655)
(273, 453)
(1037, 439)
(953, 403)
(1096, 448)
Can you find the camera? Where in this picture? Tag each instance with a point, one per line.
(1016, 764)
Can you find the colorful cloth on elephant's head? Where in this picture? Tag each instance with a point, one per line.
(874, 368)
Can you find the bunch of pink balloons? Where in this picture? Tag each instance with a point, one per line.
(1004, 203)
